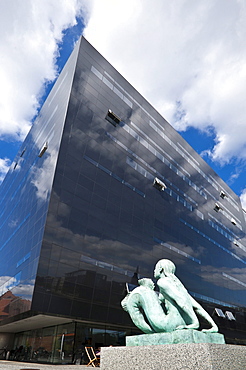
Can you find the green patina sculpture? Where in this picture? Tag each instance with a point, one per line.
(172, 309)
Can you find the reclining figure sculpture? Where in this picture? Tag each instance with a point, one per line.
(172, 309)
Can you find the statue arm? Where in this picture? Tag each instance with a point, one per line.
(199, 310)
(161, 298)
(179, 297)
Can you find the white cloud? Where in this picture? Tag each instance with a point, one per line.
(4, 166)
(41, 175)
(187, 57)
(29, 34)
(25, 290)
(6, 283)
(243, 199)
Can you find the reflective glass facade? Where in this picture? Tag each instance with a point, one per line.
(102, 188)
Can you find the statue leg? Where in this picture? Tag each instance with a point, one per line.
(139, 320)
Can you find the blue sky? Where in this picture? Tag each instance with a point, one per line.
(188, 58)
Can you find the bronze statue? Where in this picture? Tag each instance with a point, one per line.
(172, 309)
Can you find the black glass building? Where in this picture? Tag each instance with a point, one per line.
(101, 189)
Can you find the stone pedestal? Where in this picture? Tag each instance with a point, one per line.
(188, 356)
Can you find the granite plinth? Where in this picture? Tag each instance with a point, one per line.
(177, 336)
(189, 356)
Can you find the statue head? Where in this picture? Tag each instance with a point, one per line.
(164, 267)
(148, 283)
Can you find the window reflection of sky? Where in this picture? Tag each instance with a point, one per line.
(24, 198)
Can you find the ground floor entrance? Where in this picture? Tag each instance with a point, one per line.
(64, 344)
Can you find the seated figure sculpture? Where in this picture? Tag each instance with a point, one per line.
(172, 309)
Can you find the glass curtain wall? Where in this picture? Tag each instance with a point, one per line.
(63, 344)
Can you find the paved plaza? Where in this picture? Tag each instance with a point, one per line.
(14, 365)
